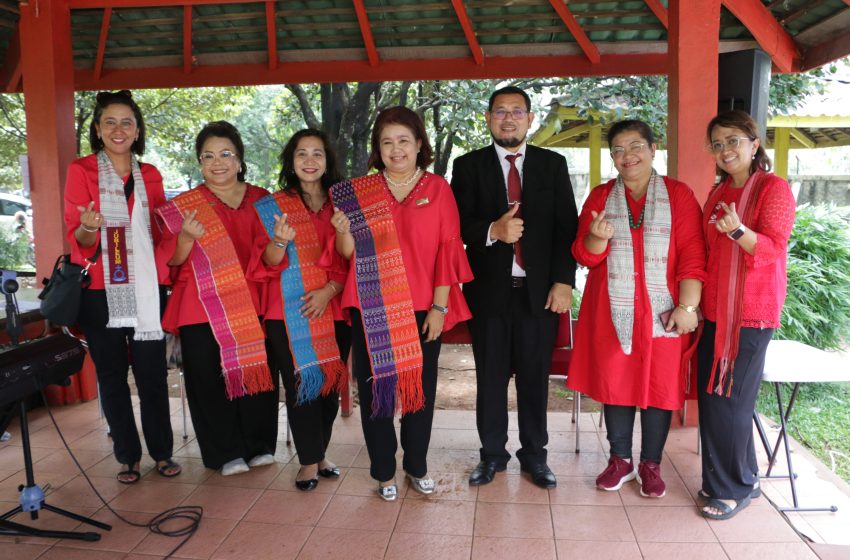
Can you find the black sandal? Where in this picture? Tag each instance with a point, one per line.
(132, 475)
(169, 464)
(726, 511)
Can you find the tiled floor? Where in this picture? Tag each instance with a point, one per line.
(260, 515)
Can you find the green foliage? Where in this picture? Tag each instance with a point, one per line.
(821, 420)
(817, 308)
(13, 249)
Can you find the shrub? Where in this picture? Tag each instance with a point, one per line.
(13, 249)
(817, 308)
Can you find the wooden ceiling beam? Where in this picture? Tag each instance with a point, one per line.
(187, 39)
(366, 31)
(590, 50)
(659, 10)
(769, 34)
(271, 34)
(471, 39)
(101, 42)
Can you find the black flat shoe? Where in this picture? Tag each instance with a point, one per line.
(541, 475)
(484, 472)
(307, 485)
(330, 472)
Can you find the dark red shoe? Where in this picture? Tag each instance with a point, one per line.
(649, 476)
(618, 472)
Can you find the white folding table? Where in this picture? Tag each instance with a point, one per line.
(789, 361)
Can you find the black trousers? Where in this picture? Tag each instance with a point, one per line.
(729, 467)
(311, 422)
(519, 343)
(113, 351)
(379, 433)
(226, 429)
(654, 427)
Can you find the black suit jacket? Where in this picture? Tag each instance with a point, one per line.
(550, 220)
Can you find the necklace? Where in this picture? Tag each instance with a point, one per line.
(632, 223)
(402, 184)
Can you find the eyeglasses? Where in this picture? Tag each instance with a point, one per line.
(209, 157)
(633, 148)
(730, 144)
(501, 114)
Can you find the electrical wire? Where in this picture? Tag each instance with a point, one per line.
(191, 514)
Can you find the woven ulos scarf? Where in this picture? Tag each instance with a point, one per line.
(129, 268)
(312, 341)
(224, 295)
(657, 226)
(386, 305)
(732, 277)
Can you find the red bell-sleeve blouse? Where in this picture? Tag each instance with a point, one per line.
(81, 187)
(428, 229)
(184, 306)
(330, 261)
(652, 374)
(766, 279)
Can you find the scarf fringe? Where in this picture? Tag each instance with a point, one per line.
(336, 377)
(383, 396)
(411, 396)
(309, 383)
(121, 322)
(247, 380)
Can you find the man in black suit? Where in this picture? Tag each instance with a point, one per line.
(518, 219)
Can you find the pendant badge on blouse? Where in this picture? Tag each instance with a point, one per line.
(422, 201)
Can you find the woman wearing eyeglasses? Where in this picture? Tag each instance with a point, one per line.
(109, 201)
(640, 237)
(747, 222)
(212, 230)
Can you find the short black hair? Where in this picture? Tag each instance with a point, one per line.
(103, 100)
(223, 129)
(507, 90)
(631, 124)
(289, 181)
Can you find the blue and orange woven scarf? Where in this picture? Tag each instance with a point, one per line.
(386, 306)
(312, 341)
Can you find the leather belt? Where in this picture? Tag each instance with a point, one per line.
(517, 281)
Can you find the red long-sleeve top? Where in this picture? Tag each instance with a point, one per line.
(81, 187)
(184, 306)
(766, 279)
(652, 374)
(330, 261)
(428, 229)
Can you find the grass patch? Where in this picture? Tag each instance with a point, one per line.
(820, 420)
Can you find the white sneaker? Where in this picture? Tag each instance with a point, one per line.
(6, 436)
(236, 466)
(262, 460)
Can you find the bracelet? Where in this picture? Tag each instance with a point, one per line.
(278, 244)
(442, 309)
(688, 308)
(89, 230)
(332, 287)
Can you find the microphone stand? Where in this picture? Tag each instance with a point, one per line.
(32, 496)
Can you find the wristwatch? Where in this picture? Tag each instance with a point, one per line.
(440, 308)
(736, 234)
(688, 308)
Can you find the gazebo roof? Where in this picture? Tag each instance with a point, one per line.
(159, 43)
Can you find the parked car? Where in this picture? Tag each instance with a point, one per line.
(11, 204)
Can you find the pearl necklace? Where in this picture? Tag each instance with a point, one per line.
(404, 184)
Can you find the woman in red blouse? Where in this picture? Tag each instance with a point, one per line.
(639, 235)
(109, 203)
(211, 231)
(308, 169)
(401, 230)
(747, 222)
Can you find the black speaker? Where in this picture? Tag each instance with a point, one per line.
(743, 83)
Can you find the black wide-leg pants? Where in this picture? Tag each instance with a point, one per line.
(729, 466)
(226, 429)
(311, 422)
(379, 433)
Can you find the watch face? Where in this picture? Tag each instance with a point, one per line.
(737, 233)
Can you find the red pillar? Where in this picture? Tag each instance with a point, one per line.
(693, 44)
(48, 77)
